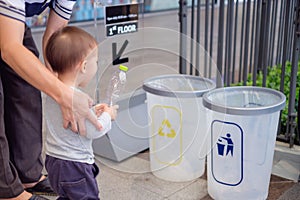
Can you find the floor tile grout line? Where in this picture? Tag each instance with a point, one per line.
(194, 181)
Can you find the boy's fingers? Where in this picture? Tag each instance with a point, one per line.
(100, 107)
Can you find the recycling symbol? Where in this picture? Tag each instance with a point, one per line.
(166, 129)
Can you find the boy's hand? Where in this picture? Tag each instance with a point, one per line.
(100, 108)
(112, 111)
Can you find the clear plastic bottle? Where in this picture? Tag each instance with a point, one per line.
(116, 85)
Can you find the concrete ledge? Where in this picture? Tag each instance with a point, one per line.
(286, 162)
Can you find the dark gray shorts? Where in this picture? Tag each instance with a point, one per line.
(72, 180)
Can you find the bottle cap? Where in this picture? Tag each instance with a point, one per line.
(123, 68)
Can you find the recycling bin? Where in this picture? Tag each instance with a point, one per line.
(243, 128)
(177, 125)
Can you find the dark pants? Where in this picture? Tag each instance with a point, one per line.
(72, 180)
(20, 129)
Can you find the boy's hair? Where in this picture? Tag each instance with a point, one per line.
(67, 47)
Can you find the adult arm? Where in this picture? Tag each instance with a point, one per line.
(54, 23)
(30, 68)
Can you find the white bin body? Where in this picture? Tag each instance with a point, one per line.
(178, 127)
(243, 127)
(177, 136)
(244, 174)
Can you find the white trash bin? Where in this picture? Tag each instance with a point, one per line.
(243, 131)
(178, 126)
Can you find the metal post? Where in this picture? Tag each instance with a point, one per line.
(252, 36)
(96, 5)
(220, 44)
(226, 67)
(269, 62)
(266, 44)
(234, 43)
(206, 38)
(245, 71)
(298, 121)
(257, 36)
(229, 50)
(293, 82)
(198, 38)
(283, 62)
(183, 33)
(192, 36)
(242, 41)
(291, 32)
(262, 34)
(274, 32)
(211, 36)
(280, 32)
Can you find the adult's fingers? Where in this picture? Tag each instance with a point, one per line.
(94, 121)
(81, 126)
(90, 101)
(81, 106)
(69, 119)
(74, 127)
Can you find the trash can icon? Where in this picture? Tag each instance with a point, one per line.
(243, 128)
(178, 127)
(220, 147)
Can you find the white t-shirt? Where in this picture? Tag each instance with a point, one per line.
(63, 143)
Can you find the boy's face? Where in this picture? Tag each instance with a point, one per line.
(91, 66)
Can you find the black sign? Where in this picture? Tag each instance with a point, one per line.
(121, 13)
(118, 29)
(117, 55)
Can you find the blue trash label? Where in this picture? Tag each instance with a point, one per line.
(227, 152)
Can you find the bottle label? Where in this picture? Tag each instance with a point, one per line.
(122, 77)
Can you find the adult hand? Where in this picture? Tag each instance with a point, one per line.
(76, 112)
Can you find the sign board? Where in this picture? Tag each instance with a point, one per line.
(123, 28)
(121, 19)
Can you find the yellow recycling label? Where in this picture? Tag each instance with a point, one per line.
(166, 138)
(166, 124)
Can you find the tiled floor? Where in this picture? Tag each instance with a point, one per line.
(132, 180)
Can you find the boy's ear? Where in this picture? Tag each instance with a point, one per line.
(83, 66)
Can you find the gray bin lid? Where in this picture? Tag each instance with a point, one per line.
(244, 100)
(181, 86)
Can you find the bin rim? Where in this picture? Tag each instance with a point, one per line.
(181, 94)
(222, 108)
